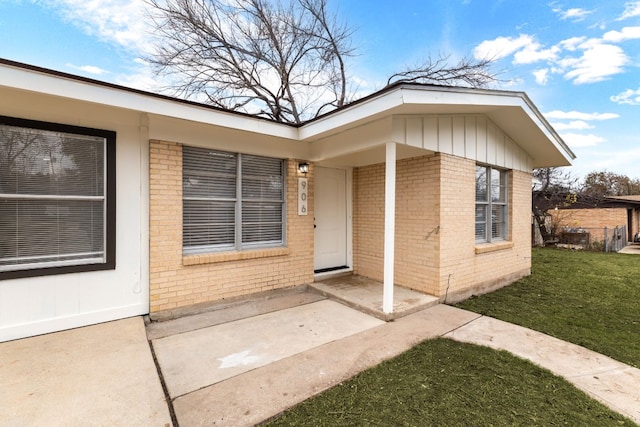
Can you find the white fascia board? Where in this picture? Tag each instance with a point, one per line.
(367, 111)
(35, 81)
(405, 100)
(494, 100)
(545, 127)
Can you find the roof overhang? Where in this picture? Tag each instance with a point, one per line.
(35, 79)
(361, 126)
(513, 112)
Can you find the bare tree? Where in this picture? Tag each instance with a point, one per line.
(281, 60)
(553, 188)
(466, 72)
(605, 183)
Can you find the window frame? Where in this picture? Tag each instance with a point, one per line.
(109, 203)
(238, 200)
(488, 204)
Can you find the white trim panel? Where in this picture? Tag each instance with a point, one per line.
(473, 137)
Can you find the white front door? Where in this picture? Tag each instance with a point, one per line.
(330, 207)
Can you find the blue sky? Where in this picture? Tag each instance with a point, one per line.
(579, 61)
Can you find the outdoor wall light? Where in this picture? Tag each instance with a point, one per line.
(303, 167)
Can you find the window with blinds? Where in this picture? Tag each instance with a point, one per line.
(491, 204)
(231, 201)
(53, 196)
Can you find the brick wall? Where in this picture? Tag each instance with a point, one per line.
(435, 228)
(178, 281)
(467, 268)
(594, 220)
(416, 241)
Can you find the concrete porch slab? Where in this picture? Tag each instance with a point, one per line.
(192, 360)
(364, 294)
(224, 314)
(92, 376)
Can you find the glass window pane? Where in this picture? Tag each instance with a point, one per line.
(261, 222)
(208, 223)
(41, 162)
(498, 222)
(481, 235)
(481, 184)
(67, 226)
(498, 186)
(208, 173)
(211, 205)
(262, 178)
(51, 231)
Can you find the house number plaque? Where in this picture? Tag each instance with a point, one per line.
(303, 191)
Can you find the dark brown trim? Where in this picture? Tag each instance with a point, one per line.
(110, 237)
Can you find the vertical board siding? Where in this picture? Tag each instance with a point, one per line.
(414, 131)
(492, 143)
(459, 140)
(445, 134)
(430, 141)
(481, 142)
(471, 137)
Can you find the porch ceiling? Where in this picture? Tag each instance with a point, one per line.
(371, 156)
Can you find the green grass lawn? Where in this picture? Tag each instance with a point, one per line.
(588, 298)
(442, 382)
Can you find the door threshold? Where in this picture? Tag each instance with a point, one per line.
(326, 270)
(327, 273)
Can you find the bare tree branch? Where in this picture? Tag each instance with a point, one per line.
(467, 72)
(281, 59)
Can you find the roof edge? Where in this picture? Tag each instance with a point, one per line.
(101, 83)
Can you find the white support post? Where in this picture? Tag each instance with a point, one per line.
(389, 226)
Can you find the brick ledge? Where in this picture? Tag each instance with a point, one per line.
(492, 247)
(233, 256)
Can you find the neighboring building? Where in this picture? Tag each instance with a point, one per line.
(116, 202)
(597, 214)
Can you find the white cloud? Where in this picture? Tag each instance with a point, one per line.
(598, 62)
(574, 14)
(631, 10)
(572, 125)
(577, 115)
(542, 76)
(115, 21)
(90, 69)
(532, 53)
(572, 43)
(501, 47)
(595, 59)
(580, 140)
(627, 33)
(629, 96)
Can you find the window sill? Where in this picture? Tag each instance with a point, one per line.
(233, 256)
(492, 247)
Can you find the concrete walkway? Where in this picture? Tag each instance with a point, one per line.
(254, 364)
(101, 375)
